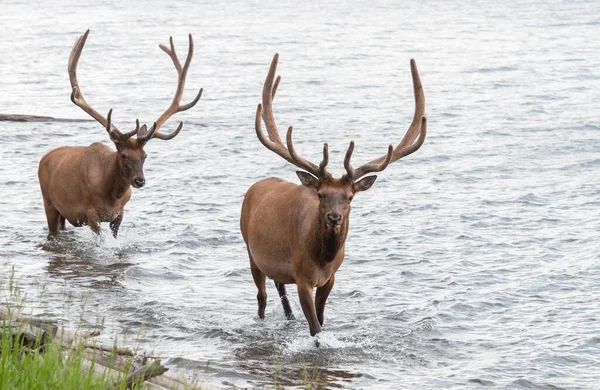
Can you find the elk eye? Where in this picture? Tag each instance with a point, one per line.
(319, 195)
(350, 198)
(124, 156)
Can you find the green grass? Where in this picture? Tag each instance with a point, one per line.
(24, 368)
(34, 363)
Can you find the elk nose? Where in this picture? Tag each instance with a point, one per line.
(139, 183)
(334, 218)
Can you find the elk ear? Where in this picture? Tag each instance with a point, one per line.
(141, 135)
(308, 180)
(364, 183)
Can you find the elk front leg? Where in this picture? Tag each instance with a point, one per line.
(321, 298)
(259, 280)
(284, 301)
(93, 220)
(308, 307)
(114, 225)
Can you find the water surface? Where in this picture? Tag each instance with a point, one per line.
(473, 262)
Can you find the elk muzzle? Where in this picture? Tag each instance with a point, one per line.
(334, 219)
(139, 182)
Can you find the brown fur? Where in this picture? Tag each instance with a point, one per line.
(297, 234)
(290, 240)
(89, 185)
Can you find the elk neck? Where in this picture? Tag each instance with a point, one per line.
(326, 241)
(117, 182)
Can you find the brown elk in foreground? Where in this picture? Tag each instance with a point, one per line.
(296, 234)
(89, 185)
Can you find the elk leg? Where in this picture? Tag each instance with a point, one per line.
(284, 301)
(321, 298)
(52, 217)
(308, 307)
(259, 280)
(114, 225)
(93, 221)
(63, 225)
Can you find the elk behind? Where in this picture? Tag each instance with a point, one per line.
(89, 185)
(296, 234)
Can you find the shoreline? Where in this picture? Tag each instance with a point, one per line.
(37, 118)
(102, 361)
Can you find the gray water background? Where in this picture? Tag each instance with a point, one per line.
(473, 262)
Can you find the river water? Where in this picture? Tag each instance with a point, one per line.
(473, 262)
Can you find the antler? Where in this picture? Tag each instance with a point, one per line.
(175, 106)
(417, 129)
(273, 142)
(79, 100)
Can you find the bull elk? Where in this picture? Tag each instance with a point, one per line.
(89, 185)
(296, 234)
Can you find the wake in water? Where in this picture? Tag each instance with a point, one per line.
(84, 257)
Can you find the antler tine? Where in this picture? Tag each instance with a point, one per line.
(273, 142)
(275, 86)
(415, 146)
(76, 94)
(318, 171)
(275, 147)
(133, 132)
(267, 115)
(190, 54)
(144, 135)
(192, 103)
(108, 120)
(172, 53)
(111, 129)
(371, 167)
(412, 140)
(175, 106)
(267, 100)
(415, 129)
(350, 171)
(322, 171)
(165, 137)
(273, 93)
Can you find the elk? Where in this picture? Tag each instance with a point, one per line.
(296, 234)
(89, 185)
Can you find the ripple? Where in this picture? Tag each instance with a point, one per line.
(470, 263)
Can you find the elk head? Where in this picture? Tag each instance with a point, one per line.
(335, 195)
(131, 154)
(130, 151)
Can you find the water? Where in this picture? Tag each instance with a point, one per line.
(473, 262)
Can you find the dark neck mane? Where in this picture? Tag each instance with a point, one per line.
(328, 242)
(117, 183)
